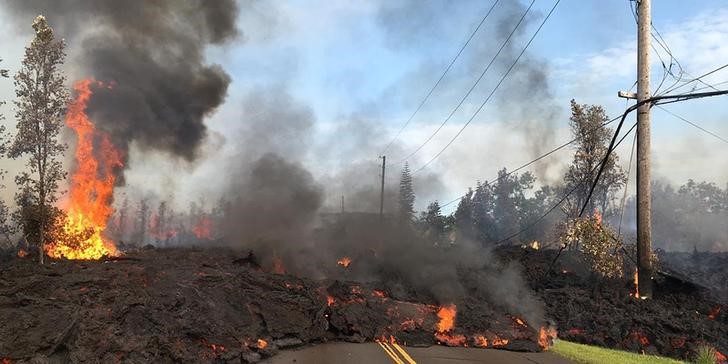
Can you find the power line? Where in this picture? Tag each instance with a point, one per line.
(699, 79)
(612, 146)
(447, 69)
(724, 140)
(552, 151)
(505, 75)
(477, 81)
(563, 198)
(655, 100)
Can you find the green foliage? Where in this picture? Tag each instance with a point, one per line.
(705, 355)
(592, 142)
(596, 241)
(434, 224)
(406, 195)
(41, 103)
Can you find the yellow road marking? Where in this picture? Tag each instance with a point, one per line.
(389, 352)
(404, 353)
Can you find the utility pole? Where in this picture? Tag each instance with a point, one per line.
(644, 219)
(381, 195)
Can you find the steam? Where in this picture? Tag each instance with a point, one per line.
(151, 54)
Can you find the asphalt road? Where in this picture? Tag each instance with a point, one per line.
(374, 353)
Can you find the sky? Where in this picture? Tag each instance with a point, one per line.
(358, 69)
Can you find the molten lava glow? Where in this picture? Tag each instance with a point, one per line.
(714, 313)
(720, 357)
(447, 315)
(330, 300)
(91, 187)
(344, 262)
(22, 253)
(499, 341)
(216, 348)
(451, 339)
(637, 336)
(575, 331)
(520, 322)
(545, 337)
(378, 293)
(203, 228)
(262, 344)
(480, 341)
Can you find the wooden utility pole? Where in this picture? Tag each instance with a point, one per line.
(381, 195)
(644, 220)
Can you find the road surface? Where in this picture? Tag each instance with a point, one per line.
(375, 353)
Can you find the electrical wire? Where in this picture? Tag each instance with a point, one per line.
(563, 198)
(552, 151)
(447, 69)
(505, 75)
(724, 140)
(467, 94)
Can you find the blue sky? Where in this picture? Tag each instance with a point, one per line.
(350, 68)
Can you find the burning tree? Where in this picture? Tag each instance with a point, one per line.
(601, 250)
(41, 104)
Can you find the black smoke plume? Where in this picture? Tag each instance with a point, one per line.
(151, 53)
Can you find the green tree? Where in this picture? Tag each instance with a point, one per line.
(406, 195)
(463, 216)
(434, 223)
(592, 142)
(509, 200)
(482, 213)
(41, 103)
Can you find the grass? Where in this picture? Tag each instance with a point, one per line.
(595, 355)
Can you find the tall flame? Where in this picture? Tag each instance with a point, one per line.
(92, 185)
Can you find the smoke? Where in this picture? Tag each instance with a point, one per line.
(524, 102)
(151, 56)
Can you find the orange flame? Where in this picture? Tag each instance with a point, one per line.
(545, 337)
(480, 341)
(720, 357)
(497, 341)
(636, 281)
(330, 300)
(203, 228)
(262, 344)
(447, 315)
(451, 339)
(344, 262)
(92, 185)
(22, 253)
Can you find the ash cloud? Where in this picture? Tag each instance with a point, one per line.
(152, 54)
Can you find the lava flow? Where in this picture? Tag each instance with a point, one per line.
(91, 187)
